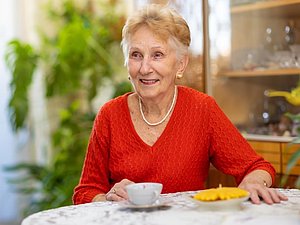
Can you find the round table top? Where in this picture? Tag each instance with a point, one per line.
(176, 208)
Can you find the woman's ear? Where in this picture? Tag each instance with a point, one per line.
(183, 63)
(182, 66)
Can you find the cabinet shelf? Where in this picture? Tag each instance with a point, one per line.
(274, 7)
(256, 73)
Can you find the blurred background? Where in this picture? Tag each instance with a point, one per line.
(60, 61)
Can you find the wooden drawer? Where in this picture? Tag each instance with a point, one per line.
(287, 151)
(270, 151)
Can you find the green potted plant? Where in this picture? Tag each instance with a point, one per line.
(293, 98)
(81, 52)
(295, 157)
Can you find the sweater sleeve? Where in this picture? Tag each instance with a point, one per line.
(229, 150)
(95, 173)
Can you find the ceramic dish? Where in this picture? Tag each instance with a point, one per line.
(158, 204)
(234, 203)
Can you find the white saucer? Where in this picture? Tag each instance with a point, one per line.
(158, 204)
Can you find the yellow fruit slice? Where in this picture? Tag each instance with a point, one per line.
(221, 193)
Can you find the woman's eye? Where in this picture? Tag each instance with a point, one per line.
(158, 55)
(136, 55)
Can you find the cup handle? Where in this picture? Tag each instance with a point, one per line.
(155, 195)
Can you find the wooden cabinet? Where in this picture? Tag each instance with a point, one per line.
(249, 53)
(249, 37)
(277, 153)
(216, 177)
(244, 61)
(271, 151)
(287, 150)
(256, 55)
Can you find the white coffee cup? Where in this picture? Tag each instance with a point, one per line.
(143, 193)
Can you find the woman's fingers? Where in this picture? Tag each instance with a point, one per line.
(264, 193)
(113, 197)
(121, 188)
(277, 195)
(282, 196)
(126, 182)
(268, 195)
(118, 192)
(254, 197)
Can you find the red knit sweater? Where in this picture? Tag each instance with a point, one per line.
(197, 133)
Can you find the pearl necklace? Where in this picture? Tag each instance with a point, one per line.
(165, 117)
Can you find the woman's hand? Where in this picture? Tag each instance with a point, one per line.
(257, 184)
(257, 191)
(118, 192)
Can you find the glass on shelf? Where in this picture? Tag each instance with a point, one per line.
(295, 49)
(268, 39)
(289, 33)
(249, 59)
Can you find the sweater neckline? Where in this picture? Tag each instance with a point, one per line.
(165, 131)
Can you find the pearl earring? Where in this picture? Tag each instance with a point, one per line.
(179, 75)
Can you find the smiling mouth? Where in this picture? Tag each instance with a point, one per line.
(149, 81)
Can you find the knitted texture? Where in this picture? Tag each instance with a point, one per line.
(197, 133)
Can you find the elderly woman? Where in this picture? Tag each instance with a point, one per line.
(162, 132)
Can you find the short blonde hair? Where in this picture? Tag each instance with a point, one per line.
(167, 23)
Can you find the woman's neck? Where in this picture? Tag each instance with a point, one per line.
(155, 113)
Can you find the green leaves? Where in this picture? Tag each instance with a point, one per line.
(121, 88)
(79, 55)
(293, 160)
(82, 50)
(21, 60)
(294, 117)
(75, 58)
(51, 186)
(295, 157)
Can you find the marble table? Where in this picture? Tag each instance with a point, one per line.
(179, 211)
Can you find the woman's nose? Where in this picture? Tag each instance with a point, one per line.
(145, 66)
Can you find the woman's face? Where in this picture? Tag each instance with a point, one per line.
(152, 65)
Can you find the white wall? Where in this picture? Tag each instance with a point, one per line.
(8, 150)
